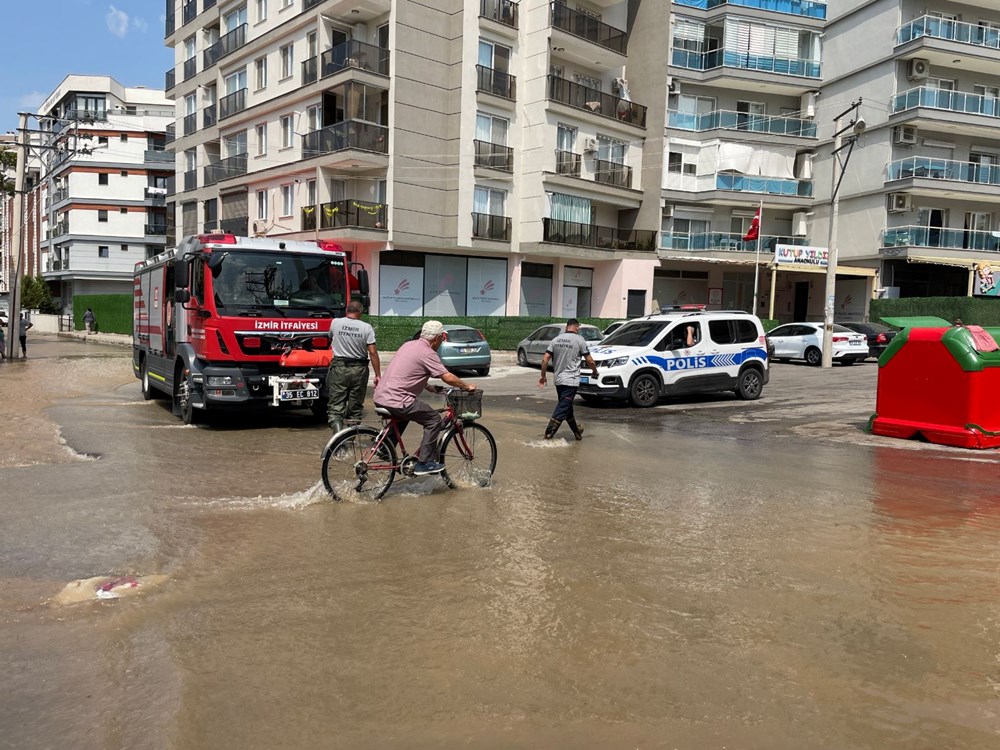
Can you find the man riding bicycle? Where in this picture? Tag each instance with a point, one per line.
(406, 376)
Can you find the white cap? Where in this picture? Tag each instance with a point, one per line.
(431, 329)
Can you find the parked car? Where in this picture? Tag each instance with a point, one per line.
(464, 348)
(613, 327)
(878, 335)
(531, 349)
(805, 341)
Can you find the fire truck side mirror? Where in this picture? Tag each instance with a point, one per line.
(182, 274)
(182, 296)
(362, 277)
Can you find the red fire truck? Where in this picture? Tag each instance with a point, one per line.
(227, 322)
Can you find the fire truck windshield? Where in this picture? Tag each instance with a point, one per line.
(251, 280)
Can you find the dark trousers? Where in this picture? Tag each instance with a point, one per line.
(346, 383)
(430, 419)
(24, 345)
(564, 405)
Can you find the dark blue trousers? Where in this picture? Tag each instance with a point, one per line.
(564, 405)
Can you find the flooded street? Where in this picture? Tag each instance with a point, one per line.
(706, 574)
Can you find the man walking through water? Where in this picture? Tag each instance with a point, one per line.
(566, 350)
(353, 342)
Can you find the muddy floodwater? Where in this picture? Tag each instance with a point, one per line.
(701, 575)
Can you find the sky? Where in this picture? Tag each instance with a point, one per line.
(46, 40)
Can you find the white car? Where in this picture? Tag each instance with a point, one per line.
(805, 341)
(531, 349)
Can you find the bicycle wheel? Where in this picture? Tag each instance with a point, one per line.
(469, 455)
(347, 475)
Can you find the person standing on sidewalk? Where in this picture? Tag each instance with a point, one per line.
(353, 343)
(566, 351)
(22, 335)
(89, 320)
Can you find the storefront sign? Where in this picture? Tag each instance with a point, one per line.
(986, 285)
(487, 287)
(801, 255)
(400, 290)
(444, 285)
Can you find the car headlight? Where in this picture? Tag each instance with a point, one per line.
(217, 380)
(616, 362)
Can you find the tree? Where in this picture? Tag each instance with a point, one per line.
(8, 163)
(35, 295)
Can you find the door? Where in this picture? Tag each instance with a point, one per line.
(782, 338)
(536, 348)
(749, 115)
(934, 220)
(636, 305)
(977, 232)
(801, 305)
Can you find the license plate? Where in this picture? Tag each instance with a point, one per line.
(300, 393)
(584, 380)
(468, 351)
(856, 342)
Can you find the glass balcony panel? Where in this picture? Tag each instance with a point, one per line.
(592, 235)
(567, 163)
(587, 27)
(805, 8)
(952, 101)
(797, 67)
(357, 134)
(501, 11)
(940, 237)
(764, 185)
(943, 169)
(729, 241)
(354, 54)
(233, 103)
(948, 30)
(728, 120)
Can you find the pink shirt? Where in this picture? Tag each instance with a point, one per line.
(407, 374)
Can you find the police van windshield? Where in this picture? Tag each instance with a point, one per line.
(254, 280)
(636, 333)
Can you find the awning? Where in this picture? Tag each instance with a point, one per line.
(956, 262)
(766, 259)
(842, 270)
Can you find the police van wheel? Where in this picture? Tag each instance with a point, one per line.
(750, 384)
(644, 391)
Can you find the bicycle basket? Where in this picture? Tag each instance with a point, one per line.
(466, 405)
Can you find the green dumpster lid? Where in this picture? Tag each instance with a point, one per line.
(918, 321)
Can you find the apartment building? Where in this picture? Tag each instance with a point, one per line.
(479, 157)
(104, 176)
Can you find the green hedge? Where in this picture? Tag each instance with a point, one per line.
(112, 311)
(983, 311)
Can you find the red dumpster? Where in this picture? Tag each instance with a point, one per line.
(940, 381)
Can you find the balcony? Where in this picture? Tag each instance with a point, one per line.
(348, 213)
(159, 156)
(224, 169)
(764, 185)
(496, 82)
(728, 120)
(170, 79)
(60, 228)
(207, 4)
(943, 169)
(722, 58)
(191, 179)
(350, 134)
(587, 27)
(803, 8)
(727, 241)
(612, 173)
(168, 24)
(567, 163)
(494, 156)
(501, 11)
(58, 196)
(232, 104)
(950, 31)
(156, 230)
(354, 54)
(591, 235)
(310, 4)
(189, 125)
(310, 71)
(590, 100)
(237, 225)
(225, 46)
(490, 227)
(208, 118)
(190, 68)
(950, 101)
(157, 196)
(189, 11)
(939, 237)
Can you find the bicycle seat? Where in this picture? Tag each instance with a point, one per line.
(383, 412)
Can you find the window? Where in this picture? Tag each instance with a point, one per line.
(610, 149)
(102, 251)
(124, 138)
(190, 104)
(102, 214)
(287, 59)
(287, 131)
(124, 248)
(123, 210)
(313, 118)
(588, 81)
(236, 81)
(235, 144)
(261, 139)
(235, 18)
(287, 200)
(191, 160)
(262, 209)
(311, 192)
(260, 72)
(102, 140)
(491, 129)
(674, 162)
(102, 178)
(261, 6)
(488, 201)
(286, 3)
(124, 173)
(190, 48)
(495, 56)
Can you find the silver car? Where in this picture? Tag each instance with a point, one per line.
(531, 349)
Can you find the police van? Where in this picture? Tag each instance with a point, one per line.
(680, 352)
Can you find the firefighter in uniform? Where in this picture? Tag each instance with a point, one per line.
(353, 342)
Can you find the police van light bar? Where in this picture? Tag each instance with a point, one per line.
(218, 238)
(683, 307)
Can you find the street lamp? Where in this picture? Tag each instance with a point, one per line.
(856, 127)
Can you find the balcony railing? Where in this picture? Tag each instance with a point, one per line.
(723, 58)
(805, 8)
(567, 163)
(206, 5)
(502, 11)
(496, 82)
(170, 79)
(354, 54)
(60, 228)
(158, 156)
(951, 101)
(191, 179)
(232, 104)
(351, 213)
(592, 235)
(310, 70)
(728, 120)
(224, 169)
(490, 227)
(948, 30)
(357, 134)
(938, 237)
(311, 4)
(494, 156)
(156, 230)
(226, 45)
(157, 196)
(732, 241)
(189, 125)
(764, 185)
(236, 225)
(168, 24)
(591, 100)
(189, 11)
(208, 118)
(943, 169)
(190, 68)
(58, 196)
(613, 173)
(587, 27)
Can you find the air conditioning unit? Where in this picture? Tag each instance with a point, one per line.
(800, 224)
(668, 211)
(808, 105)
(899, 203)
(918, 69)
(673, 85)
(904, 135)
(590, 145)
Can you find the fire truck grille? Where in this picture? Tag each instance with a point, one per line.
(273, 344)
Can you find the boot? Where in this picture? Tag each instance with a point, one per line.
(336, 425)
(577, 429)
(550, 431)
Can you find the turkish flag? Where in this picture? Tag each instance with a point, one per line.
(754, 231)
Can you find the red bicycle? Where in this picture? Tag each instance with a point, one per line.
(361, 462)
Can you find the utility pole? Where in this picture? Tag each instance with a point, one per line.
(17, 235)
(857, 127)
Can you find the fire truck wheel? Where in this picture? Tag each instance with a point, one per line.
(144, 380)
(183, 398)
